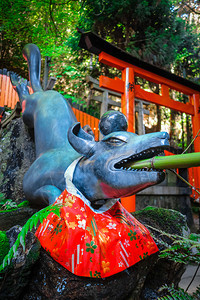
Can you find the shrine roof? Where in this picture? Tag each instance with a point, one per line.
(95, 44)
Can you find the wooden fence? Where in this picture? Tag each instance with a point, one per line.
(86, 119)
(8, 96)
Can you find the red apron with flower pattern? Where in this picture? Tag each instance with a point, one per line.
(91, 244)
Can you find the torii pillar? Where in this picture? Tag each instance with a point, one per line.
(125, 86)
(196, 129)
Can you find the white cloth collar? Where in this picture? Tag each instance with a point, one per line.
(70, 187)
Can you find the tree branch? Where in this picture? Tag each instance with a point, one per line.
(191, 8)
(51, 17)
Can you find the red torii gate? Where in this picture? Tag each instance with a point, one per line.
(131, 67)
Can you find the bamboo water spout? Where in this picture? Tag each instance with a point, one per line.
(169, 162)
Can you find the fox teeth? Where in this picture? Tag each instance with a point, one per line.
(139, 170)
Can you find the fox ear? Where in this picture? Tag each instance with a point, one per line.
(81, 141)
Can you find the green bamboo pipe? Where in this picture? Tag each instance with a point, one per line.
(169, 162)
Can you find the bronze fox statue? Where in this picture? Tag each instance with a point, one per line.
(101, 172)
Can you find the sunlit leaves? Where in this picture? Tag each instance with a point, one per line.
(32, 222)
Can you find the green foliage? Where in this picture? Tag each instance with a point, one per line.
(4, 245)
(30, 224)
(71, 80)
(23, 204)
(175, 247)
(46, 23)
(152, 30)
(182, 249)
(177, 294)
(8, 204)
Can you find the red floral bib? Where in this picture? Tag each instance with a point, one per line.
(92, 244)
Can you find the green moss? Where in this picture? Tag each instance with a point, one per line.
(4, 245)
(168, 220)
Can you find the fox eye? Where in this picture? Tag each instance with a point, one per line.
(115, 141)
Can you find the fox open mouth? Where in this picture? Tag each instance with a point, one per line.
(125, 164)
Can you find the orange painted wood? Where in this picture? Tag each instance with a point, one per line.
(196, 121)
(0, 88)
(10, 94)
(168, 153)
(196, 172)
(8, 98)
(13, 99)
(3, 86)
(82, 117)
(16, 98)
(116, 85)
(6, 89)
(1, 91)
(114, 62)
(196, 128)
(164, 100)
(129, 203)
(129, 97)
(128, 109)
(191, 176)
(161, 80)
(76, 113)
(121, 65)
(92, 122)
(79, 115)
(96, 129)
(1, 77)
(86, 119)
(193, 179)
(165, 92)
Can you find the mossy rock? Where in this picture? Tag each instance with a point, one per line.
(4, 245)
(17, 216)
(15, 277)
(17, 155)
(168, 220)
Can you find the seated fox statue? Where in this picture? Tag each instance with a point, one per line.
(94, 235)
